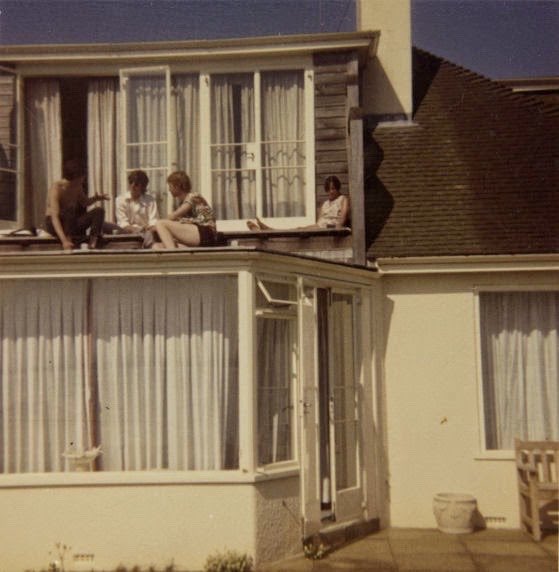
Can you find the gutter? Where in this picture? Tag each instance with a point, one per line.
(365, 42)
(467, 264)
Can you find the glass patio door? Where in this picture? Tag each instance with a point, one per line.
(332, 484)
(343, 410)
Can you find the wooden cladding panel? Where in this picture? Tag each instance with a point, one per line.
(331, 79)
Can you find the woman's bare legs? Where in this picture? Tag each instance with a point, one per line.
(170, 231)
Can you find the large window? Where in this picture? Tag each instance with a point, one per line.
(520, 357)
(244, 138)
(147, 370)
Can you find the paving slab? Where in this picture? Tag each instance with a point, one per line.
(429, 550)
(502, 548)
(434, 545)
(497, 563)
(434, 562)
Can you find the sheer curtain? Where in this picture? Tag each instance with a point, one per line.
(147, 137)
(43, 373)
(274, 374)
(520, 357)
(44, 134)
(232, 154)
(166, 362)
(283, 148)
(187, 120)
(102, 140)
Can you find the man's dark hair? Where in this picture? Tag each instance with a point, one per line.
(72, 169)
(139, 177)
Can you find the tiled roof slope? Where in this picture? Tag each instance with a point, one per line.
(477, 172)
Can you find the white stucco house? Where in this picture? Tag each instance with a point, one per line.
(285, 383)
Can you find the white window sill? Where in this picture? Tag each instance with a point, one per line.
(124, 478)
(277, 471)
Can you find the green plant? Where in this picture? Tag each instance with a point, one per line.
(314, 548)
(228, 561)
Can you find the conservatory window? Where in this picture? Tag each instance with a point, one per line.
(520, 371)
(275, 370)
(149, 373)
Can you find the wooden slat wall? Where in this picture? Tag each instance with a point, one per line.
(330, 105)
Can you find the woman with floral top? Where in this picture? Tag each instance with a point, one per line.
(192, 223)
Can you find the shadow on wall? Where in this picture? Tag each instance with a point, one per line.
(379, 96)
(378, 200)
(424, 72)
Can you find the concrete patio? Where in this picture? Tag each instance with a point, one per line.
(428, 550)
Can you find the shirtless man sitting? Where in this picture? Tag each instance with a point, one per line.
(67, 216)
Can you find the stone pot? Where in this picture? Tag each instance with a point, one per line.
(454, 512)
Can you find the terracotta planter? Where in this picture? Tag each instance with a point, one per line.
(454, 512)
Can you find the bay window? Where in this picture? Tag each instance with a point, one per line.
(148, 370)
(520, 366)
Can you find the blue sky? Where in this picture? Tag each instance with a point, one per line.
(498, 38)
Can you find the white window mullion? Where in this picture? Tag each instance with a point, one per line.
(124, 130)
(309, 145)
(172, 163)
(205, 137)
(258, 141)
(21, 151)
(247, 386)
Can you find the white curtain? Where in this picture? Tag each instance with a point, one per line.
(102, 141)
(520, 355)
(166, 362)
(283, 149)
(274, 374)
(187, 120)
(147, 137)
(232, 151)
(44, 135)
(43, 374)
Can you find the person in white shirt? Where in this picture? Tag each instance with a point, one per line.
(136, 211)
(334, 212)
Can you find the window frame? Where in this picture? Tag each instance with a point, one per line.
(285, 310)
(205, 76)
(19, 209)
(255, 66)
(124, 74)
(483, 452)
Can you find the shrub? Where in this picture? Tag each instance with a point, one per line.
(228, 561)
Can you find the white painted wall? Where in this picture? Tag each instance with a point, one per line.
(431, 393)
(387, 79)
(146, 525)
